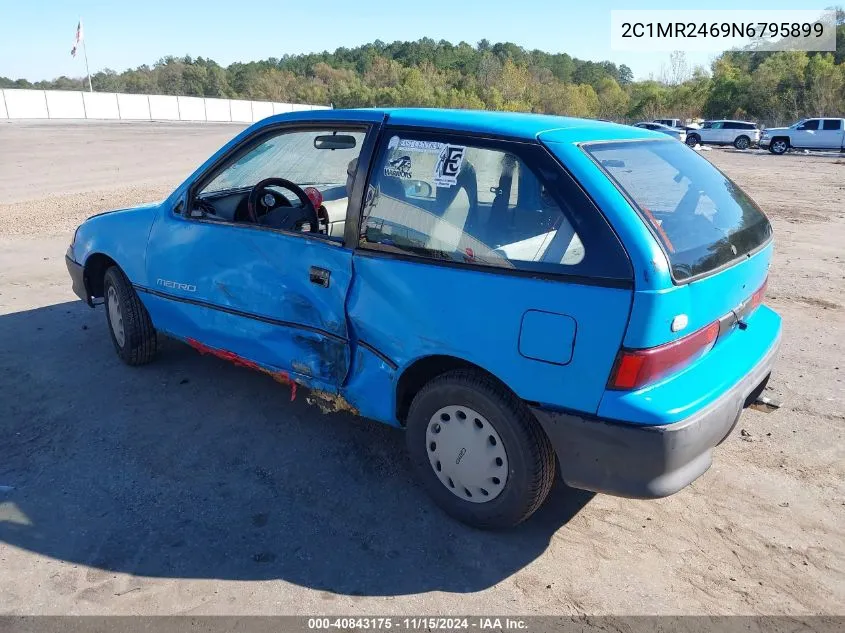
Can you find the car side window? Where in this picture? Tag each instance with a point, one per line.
(483, 203)
(730, 125)
(314, 161)
(707, 125)
(718, 125)
(832, 124)
(812, 124)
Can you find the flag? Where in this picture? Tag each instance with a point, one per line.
(78, 40)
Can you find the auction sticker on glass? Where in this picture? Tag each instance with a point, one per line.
(717, 31)
(449, 165)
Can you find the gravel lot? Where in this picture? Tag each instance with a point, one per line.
(193, 486)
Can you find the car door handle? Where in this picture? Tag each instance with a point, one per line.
(319, 276)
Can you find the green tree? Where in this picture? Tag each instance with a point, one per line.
(612, 100)
(729, 92)
(825, 82)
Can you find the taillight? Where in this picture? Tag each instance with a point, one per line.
(635, 368)
(758, 296)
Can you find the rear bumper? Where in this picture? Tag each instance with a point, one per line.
(78, 278)
(647, 462)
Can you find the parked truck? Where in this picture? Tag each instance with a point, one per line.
(814, 134)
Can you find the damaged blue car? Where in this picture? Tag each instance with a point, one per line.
(527, 296)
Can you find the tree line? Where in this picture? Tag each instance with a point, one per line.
(771, 88)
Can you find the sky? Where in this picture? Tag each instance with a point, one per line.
(36, 36)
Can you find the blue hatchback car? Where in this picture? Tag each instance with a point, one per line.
(525, 295)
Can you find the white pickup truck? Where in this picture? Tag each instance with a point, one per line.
(816, 134)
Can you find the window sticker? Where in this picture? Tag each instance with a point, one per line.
(399, 167)
(449, 165)
(411, 145)
(393, 143)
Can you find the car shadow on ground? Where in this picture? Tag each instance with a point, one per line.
(193, 468)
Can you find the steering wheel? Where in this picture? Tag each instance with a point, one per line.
(309, 213)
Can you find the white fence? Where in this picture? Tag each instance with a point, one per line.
(67, 104)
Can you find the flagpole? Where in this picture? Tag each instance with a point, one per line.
(88, 72)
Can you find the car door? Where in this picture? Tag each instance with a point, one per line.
(486, 252)
(259, 295)
(719, 132)
(730, 130)
(806, 134)
(707, 133)
(831, 134)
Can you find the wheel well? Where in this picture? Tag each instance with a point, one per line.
(782, 138)
(421, 371)
(95, 271)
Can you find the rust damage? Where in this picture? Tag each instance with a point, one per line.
(327, 402)
(282, 377)
(330, 402)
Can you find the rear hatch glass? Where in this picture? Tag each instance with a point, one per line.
(701, 218)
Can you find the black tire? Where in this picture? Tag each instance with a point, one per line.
(742, 142)
(693, 140)
(531, 459)
(139, 342)
(779, 146)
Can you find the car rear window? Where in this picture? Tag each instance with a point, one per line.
(702, 219)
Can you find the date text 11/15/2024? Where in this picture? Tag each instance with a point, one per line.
(419, 623)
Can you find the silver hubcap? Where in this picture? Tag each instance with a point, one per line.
(742, 143)
(467, 454)
(780, 146)
(116, 317)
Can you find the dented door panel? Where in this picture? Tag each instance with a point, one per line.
(409, 310)
(370, 387)
(248, 291)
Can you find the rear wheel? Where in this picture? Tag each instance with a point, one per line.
(779, 146)
(478, 451)
(129, 322)
(742, 142)
(693, 140)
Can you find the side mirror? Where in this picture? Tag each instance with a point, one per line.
(335, 141)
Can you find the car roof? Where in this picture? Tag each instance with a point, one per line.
(514, 125)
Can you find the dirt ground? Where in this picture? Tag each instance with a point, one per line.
(193, 486)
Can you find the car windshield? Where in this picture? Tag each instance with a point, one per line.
(702, 219)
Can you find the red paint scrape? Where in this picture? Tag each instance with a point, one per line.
(279, 376)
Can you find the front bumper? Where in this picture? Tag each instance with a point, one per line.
(764, 142)
(77, 276)
(648, 462)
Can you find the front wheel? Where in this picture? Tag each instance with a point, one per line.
(129, 322)
(779, 146)
(478, 451)
(693, 140)
(742, 142)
